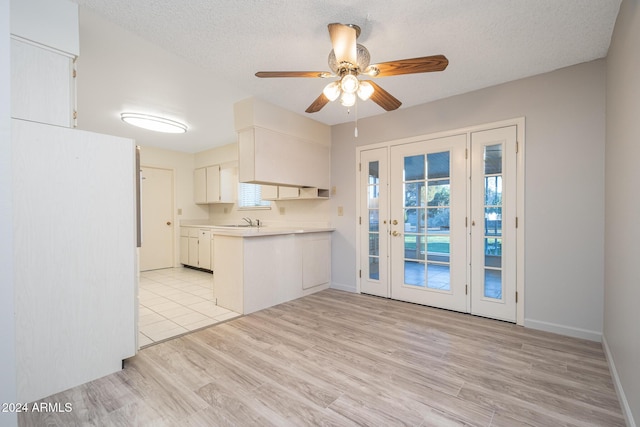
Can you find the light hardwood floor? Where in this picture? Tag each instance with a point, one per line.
(335, 358)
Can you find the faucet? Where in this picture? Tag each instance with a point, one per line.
(248, 220)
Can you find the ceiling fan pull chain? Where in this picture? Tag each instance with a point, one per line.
(355, 132)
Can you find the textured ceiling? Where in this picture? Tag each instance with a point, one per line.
(191, 60)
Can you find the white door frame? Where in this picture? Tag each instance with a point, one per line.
(520, 186)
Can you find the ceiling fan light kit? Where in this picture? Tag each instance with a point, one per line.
(347, 60)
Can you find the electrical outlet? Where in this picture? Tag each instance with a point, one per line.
(281, 210)
(340, 211)
(179, 211)
(226, 210)
(333, 190)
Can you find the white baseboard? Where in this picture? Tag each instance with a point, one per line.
(624, 404)
(343, 287)
(563, 330)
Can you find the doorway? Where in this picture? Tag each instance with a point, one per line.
(438, 220)
(156, 199)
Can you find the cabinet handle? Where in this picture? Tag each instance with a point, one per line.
(168, 222)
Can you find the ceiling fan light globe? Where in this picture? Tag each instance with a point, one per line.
(363, 57)
(349, 84)
(348, 99)
(333, 62)
(332, 91)
(365, 90)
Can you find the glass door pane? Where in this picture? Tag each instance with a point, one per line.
(372, 225)
(373, 202)
(426, 220)
(493, 221)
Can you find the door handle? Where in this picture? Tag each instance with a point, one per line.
(395, 233)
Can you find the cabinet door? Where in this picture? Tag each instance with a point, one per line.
(200, 185)
(184, 250)
(288, 192)
(213, 184)
(228, 184)
(211, 253)
(193, 251)
(316, 260)
(269, 192)
(42, 85)
(204, 249)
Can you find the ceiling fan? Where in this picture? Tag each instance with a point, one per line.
(348, 60)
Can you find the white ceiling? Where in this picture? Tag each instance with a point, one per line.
(192, 60)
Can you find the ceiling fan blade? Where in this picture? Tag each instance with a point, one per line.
(408, 66)
(317, 105)
(343, 39)
(383, 98)
(322, 74)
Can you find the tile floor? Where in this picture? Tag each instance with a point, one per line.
(174, 301)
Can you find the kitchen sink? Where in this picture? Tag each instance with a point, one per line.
(234, 225)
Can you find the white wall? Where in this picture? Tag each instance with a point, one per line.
(182, 165)
(295, 213)
(7, 306)
(564, 197)
(622, 212)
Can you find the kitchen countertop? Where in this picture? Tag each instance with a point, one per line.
(259, 231)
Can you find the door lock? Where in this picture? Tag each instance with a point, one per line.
(395, 222)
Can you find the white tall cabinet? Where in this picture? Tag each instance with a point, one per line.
(73, 211)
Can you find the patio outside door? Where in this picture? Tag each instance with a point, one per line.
(428, 235)
(493, 223)
(374, 222)
(438, 222)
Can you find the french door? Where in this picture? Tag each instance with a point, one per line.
(438, 222)
(493, 223)
(428, 207)
(374, 272)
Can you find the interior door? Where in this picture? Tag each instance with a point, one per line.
(373, 222)
(156, 199)
(493, 223)
(428, 201)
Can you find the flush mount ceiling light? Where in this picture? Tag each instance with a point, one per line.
(155, 123)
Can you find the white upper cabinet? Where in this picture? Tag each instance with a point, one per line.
(275, 192)
(215, 184)
(278, 147)
(272, 157)
(42, 84)
(44, 45)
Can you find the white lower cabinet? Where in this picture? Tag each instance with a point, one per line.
(204, 249)
(184, 245)
(195, 247)
(253, 273)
